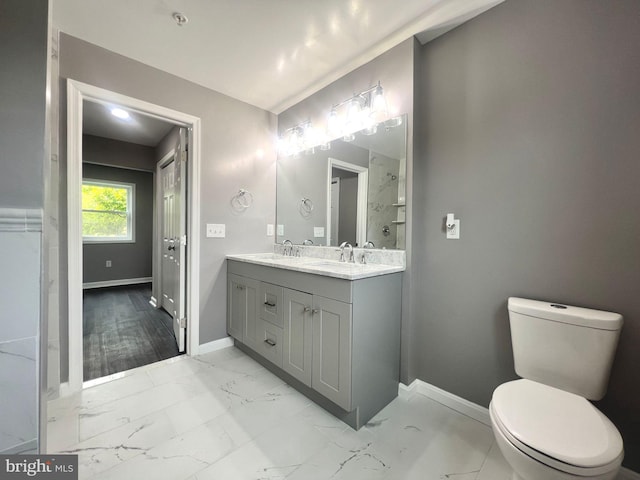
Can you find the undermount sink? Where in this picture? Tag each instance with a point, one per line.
(273, 256)
(334, 264)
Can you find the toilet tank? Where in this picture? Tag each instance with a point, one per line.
(570, 348)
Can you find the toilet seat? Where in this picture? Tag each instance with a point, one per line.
(557, 428)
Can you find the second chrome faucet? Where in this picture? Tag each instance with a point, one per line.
(344, 245)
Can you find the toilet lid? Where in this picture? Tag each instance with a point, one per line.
(558, 424)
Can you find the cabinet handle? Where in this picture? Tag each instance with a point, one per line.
(240, 287)
(269, 304)
(270, 342)
(315, 311)
(307, 309)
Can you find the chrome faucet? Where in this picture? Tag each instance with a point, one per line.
(344, 245)
(363, 257)
(307, 242)
(287, 251)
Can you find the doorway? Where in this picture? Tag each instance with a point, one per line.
(347, 192)
(77, 94)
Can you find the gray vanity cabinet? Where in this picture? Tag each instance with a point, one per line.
(317, 344)
(298, 320)
(335, 340)
(242, 295)
(331, 362)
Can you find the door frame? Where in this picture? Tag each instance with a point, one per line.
(77, 92)
(362, 199)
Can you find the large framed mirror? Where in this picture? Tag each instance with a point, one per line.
(354, 191)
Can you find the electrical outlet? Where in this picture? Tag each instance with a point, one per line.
(108, 264)
(216, 230)
(270, 230)
(318, 232)
(280, 230)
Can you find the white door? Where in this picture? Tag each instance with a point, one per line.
(174, 238)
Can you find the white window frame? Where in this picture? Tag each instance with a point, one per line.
(131, 211)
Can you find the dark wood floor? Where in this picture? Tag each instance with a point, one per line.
(123, 331)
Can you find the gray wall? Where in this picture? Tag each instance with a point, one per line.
(23, 48)
(527, 122)
(233, 132)
(129, 260)
(395, 70)
(106, 151)
(23, 149)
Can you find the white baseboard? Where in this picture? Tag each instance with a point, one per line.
(472, 410)
(626, 474)
(215, 345)
(116, 283)
(447, 399)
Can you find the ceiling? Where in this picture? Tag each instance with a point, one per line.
(268, 53)
(138, 128)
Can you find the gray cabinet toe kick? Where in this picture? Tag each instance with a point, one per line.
(336, 341)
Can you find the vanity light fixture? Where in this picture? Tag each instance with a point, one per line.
(354, 119)
(363, 112)
(298, 138)
(379, 110)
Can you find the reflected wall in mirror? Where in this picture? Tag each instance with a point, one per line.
(320, 193)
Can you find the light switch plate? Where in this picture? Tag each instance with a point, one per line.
(216, 230)
(280, 230)
(318, 232)
(270, 230)
(454, 233)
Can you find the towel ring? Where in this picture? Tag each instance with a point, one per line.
(306, 204)
(242, 200)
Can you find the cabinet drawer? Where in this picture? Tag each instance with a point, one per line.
(269, 342)
(271, 305)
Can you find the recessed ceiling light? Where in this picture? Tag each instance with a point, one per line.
(120, 113)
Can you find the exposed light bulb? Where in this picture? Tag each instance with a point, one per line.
(379, 110)
(371, 130)
(354, 118)
(120, 113)
(333, 124)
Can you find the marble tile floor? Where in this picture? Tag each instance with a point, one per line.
(224, 416)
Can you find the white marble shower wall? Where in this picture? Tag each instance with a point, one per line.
(21, 238)
(384, 173)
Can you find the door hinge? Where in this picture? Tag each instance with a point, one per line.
(184, 156)
(183, 240)
(183, 322)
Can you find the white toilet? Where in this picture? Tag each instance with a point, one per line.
(544, 423)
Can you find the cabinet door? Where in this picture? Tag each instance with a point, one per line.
(242, 312)
(296, 348)
(332, 350)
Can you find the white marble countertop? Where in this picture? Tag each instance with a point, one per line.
(319, 266)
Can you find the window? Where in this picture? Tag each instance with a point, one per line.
(107, 211)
